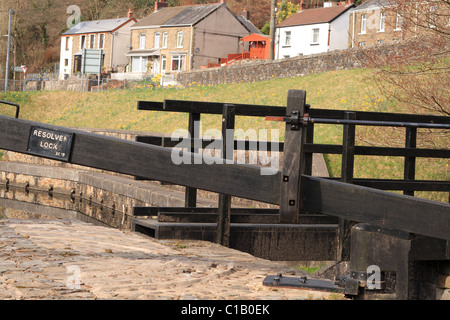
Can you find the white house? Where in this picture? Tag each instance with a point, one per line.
(314, 31)
(112, 36)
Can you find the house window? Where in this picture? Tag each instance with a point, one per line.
(139, 64)
(163, 63)
(164, 40)
(83, 42)
(157, 36)
(399, 22)
(67, 43)
(315, 38)
(92, 41)
(362, 44)
(178, 62)
(382, 21)
(432, 17)
(101, 44)
(363, 23)
(287, 38)
(180, 39)
(142, 41)
(66, 62)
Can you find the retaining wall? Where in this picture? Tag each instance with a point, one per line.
(252, 71)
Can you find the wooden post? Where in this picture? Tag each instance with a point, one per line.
(410, 162)
(309, 156)
(194, 133)
(293, 158)
(348, 160)
(223, 223)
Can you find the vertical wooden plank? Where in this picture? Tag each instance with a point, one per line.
(409, 172)
(224, 217)
(293, 159)
(348, 149)
(347, 166)
(309, 156)
(194, 133)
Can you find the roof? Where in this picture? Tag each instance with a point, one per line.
(313, 16)
(249, 25)
(255, 38)
(374, 4)
(97, 26)
(177, 16)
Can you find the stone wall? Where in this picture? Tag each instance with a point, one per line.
(252, 71)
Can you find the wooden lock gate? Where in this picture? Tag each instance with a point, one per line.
(318, 218)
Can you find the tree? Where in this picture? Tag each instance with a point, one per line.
(417, 76)
(287, 9)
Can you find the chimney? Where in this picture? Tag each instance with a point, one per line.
(246, 14)
(130, 14)
(223, 1)
(160, 4)
(350, 2)
(302, 6)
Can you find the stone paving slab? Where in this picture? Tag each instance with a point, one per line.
(68, 260)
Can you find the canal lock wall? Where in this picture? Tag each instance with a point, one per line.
(106, 197)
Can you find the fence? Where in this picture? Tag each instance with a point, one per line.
(82, 85)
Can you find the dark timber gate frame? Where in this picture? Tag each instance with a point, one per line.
(293, 189)
(367, 203)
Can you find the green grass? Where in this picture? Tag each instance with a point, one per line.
(344, 90)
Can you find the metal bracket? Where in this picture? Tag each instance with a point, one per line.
(12, 104)
(296, 121)
(345, 286)
(350, 285)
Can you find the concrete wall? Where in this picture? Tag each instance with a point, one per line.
(302, 41)
(340, 32)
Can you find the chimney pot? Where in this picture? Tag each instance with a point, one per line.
(130, 14)
(160, 4)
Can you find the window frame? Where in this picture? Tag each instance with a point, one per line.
(180, 39)
(142, 41)
(363, 23)
(92, 41)
(165, 37)
(101, 41)
(181, 59)
(382, 25)
(157, 40)
(315, 34)
(287, 38)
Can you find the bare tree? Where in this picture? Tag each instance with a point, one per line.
(418, 75)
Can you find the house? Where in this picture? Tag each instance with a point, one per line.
(112, 36)
(377, 22)
(174, 39)
(254, 46)
(312, 31)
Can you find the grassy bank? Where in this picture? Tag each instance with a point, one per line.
(344, 90)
